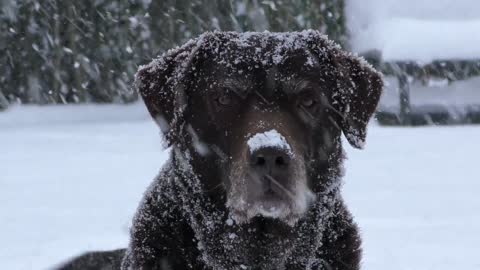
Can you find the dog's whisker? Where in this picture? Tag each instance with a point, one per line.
(262, 97)
(329, 106)
(287, 192)
(334, 123)
(215, 187)
(219, 152)
(312, 118)
(254, 177)
(300, 84)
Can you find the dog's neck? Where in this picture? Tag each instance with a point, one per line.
(263, 243)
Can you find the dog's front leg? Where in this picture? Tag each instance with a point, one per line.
(160, 239)
(341, 249)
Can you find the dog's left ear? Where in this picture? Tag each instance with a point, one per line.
(162, 85)
(359, 90)
(356, 86)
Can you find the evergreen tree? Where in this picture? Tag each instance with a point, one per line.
(67, 51)
(71, 51)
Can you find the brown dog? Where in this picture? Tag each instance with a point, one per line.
(255, 122)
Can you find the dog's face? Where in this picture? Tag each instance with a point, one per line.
(266, 123)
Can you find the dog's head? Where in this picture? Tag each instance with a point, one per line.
(261, 114)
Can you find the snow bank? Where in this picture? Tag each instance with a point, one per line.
(71, 179)
(32, 115)
(421, 40)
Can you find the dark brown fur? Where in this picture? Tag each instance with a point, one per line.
(106, 260)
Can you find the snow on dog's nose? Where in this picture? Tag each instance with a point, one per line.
(270, 158)
(269, 139)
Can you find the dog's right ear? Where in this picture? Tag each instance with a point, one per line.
(162, 87)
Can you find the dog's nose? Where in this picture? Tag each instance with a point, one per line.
(271, 166)
(270, 160)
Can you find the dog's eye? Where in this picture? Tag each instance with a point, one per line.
(224, 98)
(307, 101)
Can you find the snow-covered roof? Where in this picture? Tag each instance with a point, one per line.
(422, 40)
(417, 31)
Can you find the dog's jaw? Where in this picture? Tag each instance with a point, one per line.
(287, 198)
(288, 210)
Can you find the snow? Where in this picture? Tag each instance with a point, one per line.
(416, 30)
(72, 176)
(70, 179)
(414, 192)
(424, 41)
(199, 146)
(271, 138)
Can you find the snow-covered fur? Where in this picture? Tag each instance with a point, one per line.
(181, 225)
(177, 226)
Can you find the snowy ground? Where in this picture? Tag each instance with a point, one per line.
(71, 177)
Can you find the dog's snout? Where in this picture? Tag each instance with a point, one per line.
(270, 160)
(271, 167)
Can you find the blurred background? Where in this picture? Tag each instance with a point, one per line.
(77, 149)
(88, 51)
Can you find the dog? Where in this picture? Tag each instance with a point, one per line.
(254, 122)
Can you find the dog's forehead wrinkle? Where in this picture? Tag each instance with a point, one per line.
(308, 117)
(240, 85)
(271, 78)
(262, 98)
